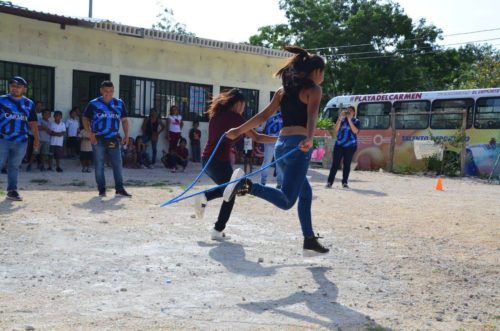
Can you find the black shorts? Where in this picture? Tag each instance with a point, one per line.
(73, 143)
(86, 156)
(248, 153)
(57, 151)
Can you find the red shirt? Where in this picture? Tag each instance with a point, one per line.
(217, 126)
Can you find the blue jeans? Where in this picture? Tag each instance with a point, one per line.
(11, 156)
(220, 172)
(295, 184)
(115, 157)
(154, 147)
(268, 158)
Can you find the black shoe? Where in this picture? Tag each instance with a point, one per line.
(28, 168)
(58, 169)
(4, 171)
(14, 196)
(312, 247)
(102, 193)
(123, 193)
(49, 169)
(328, 185)
(344, 185)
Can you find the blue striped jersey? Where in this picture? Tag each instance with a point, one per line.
(105, 118)
(345, 136)
(274, 124)
(14, 118)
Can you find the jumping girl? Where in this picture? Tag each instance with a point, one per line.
(224, 113)
(299, 100)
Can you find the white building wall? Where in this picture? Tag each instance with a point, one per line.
(30, 41)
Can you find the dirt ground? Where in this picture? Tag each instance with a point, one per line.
(403, 256)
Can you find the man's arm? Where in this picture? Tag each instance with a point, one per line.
(90, 134)
(125, 130)
(34, 129)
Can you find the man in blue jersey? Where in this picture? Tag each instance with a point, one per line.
(102, 119)
(17, 116)
(272, 128)
(347, 129)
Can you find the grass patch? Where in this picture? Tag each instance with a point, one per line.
(2, 193)
(136, 183)
(39, 181)
(159, 184)
(78, 183)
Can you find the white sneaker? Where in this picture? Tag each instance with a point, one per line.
(228, 191)
(218, 235)
(200, 202)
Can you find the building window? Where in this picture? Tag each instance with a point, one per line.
(252, 97)
(487, 113)
(374, 115)
(412, 121)
(86, 87)
(140, 95)
(40, 81)
(451, 121)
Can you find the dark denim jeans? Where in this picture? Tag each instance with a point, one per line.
(11, 156)
(341, 153)
(115, 157)
(220, 172)
(154, 147)
(295, 184)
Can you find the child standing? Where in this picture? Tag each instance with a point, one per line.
(73, 125)
(247, 154)
(86, 154)
(58, 129)
(44, 132)
(174, 128)
(195, 141)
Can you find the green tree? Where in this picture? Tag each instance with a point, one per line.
(372, 46)
(166, 22)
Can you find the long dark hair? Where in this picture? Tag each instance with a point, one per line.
(295, 74)
(225, 102)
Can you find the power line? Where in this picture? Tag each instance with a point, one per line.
(416, 49)
(393, 55)
(368, 44)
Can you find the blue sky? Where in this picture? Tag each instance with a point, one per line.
(236, 20)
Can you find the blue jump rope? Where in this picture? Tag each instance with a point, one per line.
(181, 196)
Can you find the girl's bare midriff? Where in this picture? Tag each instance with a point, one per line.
(293, 131)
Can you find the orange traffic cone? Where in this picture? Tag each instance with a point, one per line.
(439, 184)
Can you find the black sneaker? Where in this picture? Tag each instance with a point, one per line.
(49, 169)
(328, 185)
(313, 248)
(344, 185)
(14, 196)
(58, 169)
(231, 189)
(102, 193)
(240, 189)
(123, 193)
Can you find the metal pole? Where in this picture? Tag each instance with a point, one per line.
(392, 147)
(90, 8)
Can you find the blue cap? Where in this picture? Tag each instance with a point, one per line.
(18, 80)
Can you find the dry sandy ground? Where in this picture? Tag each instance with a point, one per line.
(403, 257)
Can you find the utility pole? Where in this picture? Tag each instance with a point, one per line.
(90, 8)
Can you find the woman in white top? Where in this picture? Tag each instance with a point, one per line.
(174, 128)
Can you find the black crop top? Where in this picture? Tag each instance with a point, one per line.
(293, 110)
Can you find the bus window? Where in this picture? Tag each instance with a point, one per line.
(487, 113)
(374, 115)
(451, 121)
(331, 113)
(412, 121)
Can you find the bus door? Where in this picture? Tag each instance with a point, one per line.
(374, 137)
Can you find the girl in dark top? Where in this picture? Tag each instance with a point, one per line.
(347, 129)
(299, 99)
(224, 113)
(150, 131)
